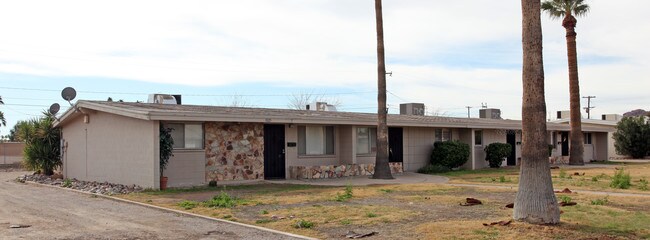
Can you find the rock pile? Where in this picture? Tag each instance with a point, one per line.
(104, 188)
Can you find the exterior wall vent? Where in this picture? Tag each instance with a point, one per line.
(490, 113)
(164, 99)
(411, 109)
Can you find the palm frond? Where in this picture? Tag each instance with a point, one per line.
(554, 8)
(1, 102)
(3, 121)
(557, 9)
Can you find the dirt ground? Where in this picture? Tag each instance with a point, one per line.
(59, 214)
(413, 211)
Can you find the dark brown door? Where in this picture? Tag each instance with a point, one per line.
(395, 145)
(565, 143)
(511, 138)
(274, 152)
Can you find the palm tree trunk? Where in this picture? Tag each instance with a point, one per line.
(382, 170)
(535, 201)
(576, 150)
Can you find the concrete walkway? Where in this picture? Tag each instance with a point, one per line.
(404, 178)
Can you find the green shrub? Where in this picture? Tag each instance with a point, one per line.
(621, 180)
(496, 152)
(42, 144)
(432, 169)
(166, 147)
(66, 183)
(303, 224)
(371, 215)
(345, 196)
(223, 200)
(264, 212)
(503, 179)
(451, 154)
(187, 205)
(632, 137)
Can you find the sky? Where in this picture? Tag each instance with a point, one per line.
(260, 53)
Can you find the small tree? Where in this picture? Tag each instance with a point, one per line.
(632, 137)
(451, 154)
(166, 148)
(42, 144)
(495, 152)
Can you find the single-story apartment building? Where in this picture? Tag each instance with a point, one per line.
(118, 142)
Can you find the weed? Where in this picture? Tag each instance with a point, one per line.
(599, 201)
(227, 216)
(503, 179)
(263, 212)
(303, 224)
(223, 200)
(563, 173)
(262, 221)
(594, 179)
(187, 205)
(621, 180)
(66, 183)
(371, 215)
(386, 190)
(346, 195)
(565, 199)
(643, 184)
(346, 222)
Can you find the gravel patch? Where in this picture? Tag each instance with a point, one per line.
(104, 188)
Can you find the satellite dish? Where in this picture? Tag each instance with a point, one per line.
(54, 108)
(68, 94)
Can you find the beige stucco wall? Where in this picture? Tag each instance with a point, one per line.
(112, 148)
(417, 148)
(186, 168)
(11, 152)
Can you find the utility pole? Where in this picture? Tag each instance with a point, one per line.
(589, 107)
(468, 107)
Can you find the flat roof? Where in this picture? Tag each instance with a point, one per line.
(200, 113)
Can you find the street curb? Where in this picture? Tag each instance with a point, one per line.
(174, 211)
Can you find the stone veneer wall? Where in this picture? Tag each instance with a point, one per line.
(338, 171)
(234, 151)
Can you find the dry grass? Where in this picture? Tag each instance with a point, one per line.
(418, 211)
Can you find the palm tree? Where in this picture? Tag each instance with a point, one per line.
(566, 9)
(382, 169)
(535, 201)
(3, 121)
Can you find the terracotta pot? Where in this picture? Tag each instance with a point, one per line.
(163, 183)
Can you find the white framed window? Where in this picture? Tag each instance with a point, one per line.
(366, 140)
(443, 135)
(315, 140)
(478, 138)
(587, 138)
(187, 135)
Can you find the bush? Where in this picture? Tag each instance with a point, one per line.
(42, 145)
(451, 154)
(632, 137)
(495, 152)
(565, 199)
(303, 224)
(431, 169)
(621, 180)
(166, 147)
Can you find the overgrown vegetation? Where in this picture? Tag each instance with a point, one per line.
(42, 150)
(632, 137)
(187, 205)
(496, 152)
(621, 180)
(451, 154)
(223, 200)
(347, 194)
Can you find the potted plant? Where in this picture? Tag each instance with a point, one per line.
(166, 151)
